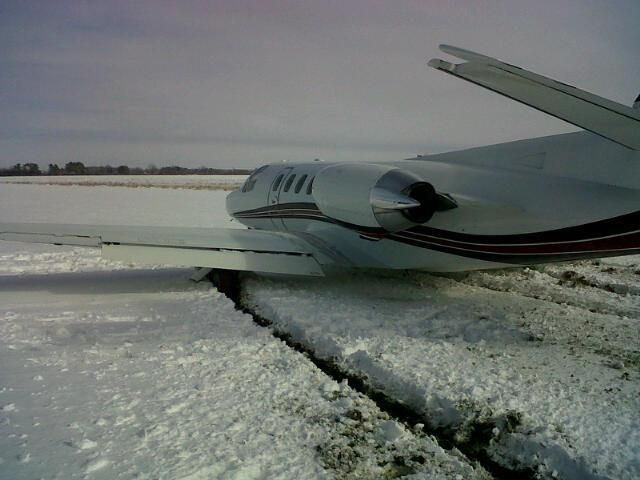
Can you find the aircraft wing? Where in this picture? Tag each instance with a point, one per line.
(224, 248)
(614, 121)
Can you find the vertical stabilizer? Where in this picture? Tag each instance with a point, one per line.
(636, 104)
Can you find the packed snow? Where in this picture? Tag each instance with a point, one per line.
(110, 370)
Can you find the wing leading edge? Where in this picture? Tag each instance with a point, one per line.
(614, 121)
(225, 248)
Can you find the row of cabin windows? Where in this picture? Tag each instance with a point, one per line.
(289, 182)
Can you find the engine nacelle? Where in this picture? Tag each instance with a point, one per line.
(371, 195)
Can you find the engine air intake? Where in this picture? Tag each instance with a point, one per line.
(373, 195)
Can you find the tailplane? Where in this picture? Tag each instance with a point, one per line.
(611, 120)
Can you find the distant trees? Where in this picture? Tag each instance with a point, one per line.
(79, 168)
(20, 169)
(172, 170)
(75, 168)
(31, 169)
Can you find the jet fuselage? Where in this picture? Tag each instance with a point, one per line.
(556, 198)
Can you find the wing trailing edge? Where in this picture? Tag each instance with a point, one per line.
(614, 121)
(225, 248)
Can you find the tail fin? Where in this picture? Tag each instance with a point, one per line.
(636, 104)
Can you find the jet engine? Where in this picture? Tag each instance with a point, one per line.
(371, 195)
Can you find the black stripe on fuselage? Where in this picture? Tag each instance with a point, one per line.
(611, 236)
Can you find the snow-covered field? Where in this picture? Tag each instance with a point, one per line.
(113, 206)
(197, 182)
(108, 371)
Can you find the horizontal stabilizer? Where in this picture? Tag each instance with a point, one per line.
(225, 248)
(614, 121)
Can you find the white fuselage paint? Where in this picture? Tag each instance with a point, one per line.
(523, 187)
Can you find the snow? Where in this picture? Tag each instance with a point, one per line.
(113, 371)
(551, 362)
(143, 373)
(199, 182)
(114, 206)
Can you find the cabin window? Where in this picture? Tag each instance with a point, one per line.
(248, 184)
(276, 184)
(251, 181)
(310, 186)
(288, 183)
(300, 183)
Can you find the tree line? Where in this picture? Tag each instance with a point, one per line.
(78, 168)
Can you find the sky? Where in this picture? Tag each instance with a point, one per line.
(241, 83)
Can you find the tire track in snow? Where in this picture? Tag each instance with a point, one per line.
(365, 325)
(477, 436)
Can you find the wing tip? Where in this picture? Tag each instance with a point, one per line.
(439, 64)
(465, 54)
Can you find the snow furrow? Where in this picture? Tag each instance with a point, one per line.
(547, 386)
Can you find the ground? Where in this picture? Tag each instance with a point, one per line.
(111, 371)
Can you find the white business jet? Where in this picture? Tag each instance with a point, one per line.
(555, 198)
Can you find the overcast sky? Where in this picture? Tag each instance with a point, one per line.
(242, 83)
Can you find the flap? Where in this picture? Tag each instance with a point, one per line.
(227, 248)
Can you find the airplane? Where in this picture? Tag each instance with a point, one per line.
(555, 198)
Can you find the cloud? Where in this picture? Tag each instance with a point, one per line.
(255, 81)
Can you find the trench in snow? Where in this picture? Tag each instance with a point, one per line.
(474, 446)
